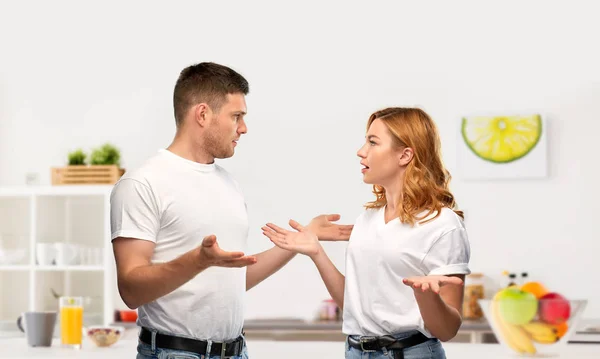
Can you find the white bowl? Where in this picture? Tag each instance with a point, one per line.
(530, 336)
(12, 256)
(104, 336)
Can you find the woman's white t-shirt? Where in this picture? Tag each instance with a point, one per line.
(380, 255)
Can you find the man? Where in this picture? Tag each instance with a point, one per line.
(179, 227)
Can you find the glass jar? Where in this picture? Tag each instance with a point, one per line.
(71, 321)
(474, 290)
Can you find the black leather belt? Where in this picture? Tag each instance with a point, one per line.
(163, 341)
(374, 344)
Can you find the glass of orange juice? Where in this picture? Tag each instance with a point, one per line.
(71, 321)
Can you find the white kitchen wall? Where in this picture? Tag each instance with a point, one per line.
(73, 74)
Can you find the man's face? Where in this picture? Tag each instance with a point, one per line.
(226, 127)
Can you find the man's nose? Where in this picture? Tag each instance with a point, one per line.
(243, 128)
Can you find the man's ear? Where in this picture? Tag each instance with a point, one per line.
(201, 113)
(405, 156)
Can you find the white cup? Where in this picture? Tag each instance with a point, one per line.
(45, 254)
(83, 256)
(66, 254)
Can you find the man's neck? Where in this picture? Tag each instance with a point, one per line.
(188, 150)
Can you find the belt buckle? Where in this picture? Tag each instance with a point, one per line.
(364, 340)
(223, 349)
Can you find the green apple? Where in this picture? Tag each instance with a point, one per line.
(516, 306)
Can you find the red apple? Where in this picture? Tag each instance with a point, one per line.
(554, 308)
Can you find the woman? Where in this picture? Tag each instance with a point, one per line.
(408, 252)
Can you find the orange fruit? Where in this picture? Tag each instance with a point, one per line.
(535, 288)
(561, 329)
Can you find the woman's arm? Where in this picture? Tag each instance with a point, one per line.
(333, 279)
(306, 242)
(440, 302)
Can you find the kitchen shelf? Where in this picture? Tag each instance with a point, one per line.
(11, 268)
(77, 216)
(13, 302)
(78, 190)
(74, 268)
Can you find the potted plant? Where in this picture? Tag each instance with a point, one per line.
(107, 154)
(77, 157)
(101, 167)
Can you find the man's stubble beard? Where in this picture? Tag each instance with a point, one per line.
(215, 145)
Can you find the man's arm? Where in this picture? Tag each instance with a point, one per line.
(140, 281)
(267, 263)
(325, 229)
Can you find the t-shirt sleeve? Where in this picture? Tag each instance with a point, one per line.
(450, 254)
(134, 211)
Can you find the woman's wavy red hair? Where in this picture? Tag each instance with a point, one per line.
(426, 180)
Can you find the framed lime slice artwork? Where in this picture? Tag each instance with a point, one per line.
(501, 139)
(502, 146)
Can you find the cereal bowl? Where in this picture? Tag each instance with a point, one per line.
(104, 336)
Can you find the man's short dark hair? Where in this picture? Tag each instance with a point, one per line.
(205, 82)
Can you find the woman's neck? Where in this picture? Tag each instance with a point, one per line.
(393, 195)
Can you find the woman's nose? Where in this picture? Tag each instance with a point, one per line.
(361, 152)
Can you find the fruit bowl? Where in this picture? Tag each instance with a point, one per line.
(532, 325)
(104, 336)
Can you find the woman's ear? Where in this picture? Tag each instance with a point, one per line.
(406, 155)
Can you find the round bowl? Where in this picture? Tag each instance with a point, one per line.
(104, 336)
(531, 326)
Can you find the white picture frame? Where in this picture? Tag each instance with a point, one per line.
(523, 163)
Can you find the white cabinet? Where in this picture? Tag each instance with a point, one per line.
(67, 228)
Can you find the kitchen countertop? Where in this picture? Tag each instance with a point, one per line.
(291, 329)
(259, 349)
(300, 324)
(297, 329)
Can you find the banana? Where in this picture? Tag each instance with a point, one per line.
(539, 329)
(541, 332)
(514, 336)
(545, 340)
(521, 338)
(500, 324)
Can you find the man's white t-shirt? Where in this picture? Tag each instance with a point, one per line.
(380, 255)
(175, 203)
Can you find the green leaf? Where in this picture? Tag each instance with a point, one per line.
(106, 155)
(77, 157)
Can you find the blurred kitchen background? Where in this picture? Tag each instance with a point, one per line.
(79, 75)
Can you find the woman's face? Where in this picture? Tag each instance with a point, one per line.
(380, 157)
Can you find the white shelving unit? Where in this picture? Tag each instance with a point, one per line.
(77, 215)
